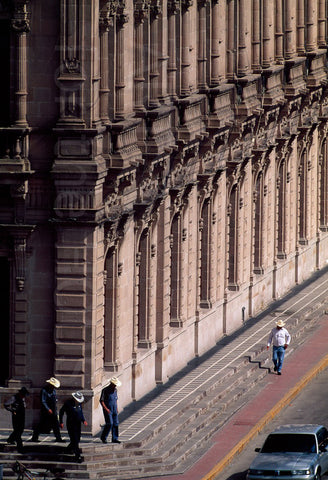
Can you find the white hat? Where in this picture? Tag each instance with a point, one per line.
(115, 381)
(280, 323)
(54, 382)
(78, 396)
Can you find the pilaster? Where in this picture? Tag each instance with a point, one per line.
(173, 8)
(185, 48)
(155, 12)
(202, 54)
(71, 78)
(218, 44)
(105, 22)
(20, 25)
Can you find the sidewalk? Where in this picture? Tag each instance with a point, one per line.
(299, 369)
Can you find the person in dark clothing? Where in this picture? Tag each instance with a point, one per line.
(16, 405)
(74, 417)
(108, 401)
(48, 414)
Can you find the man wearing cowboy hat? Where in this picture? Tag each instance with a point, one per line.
(48, 413)
(108, 401)
(16, 405)
(74, 417)
(280, 338)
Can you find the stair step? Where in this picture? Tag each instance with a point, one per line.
(174, 441)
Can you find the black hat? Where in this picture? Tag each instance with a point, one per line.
(23, 391)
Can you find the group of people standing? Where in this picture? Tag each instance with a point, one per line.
(51, 420)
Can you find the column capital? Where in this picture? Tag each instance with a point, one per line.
(121, 16)
(141, 11)
(173, 7)
(106, 15)
(20, 20)
(186, 4)
(155, 9)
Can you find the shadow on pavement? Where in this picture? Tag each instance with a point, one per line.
(238, 476)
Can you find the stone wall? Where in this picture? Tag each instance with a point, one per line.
(164, 171)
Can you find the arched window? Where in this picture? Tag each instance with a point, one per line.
(110, 321)
(324, 187)
(175, 284)
(302, 199)
(5, 363)
(205, 256)
(281, 220)
(258, 224)
(233, 239)
(143, 290)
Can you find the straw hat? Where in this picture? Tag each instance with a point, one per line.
(78, 396)
(54, 382)
(280, 323)
(115, 381)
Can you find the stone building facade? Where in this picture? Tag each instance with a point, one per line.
(163, 177)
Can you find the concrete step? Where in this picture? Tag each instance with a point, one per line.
(173, 442)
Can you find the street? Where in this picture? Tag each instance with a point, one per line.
(309, 407)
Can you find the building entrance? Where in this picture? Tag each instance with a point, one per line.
(4, 320)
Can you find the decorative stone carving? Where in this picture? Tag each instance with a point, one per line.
(173, 7)
(107, 13)
(141, 11)
(186, 4)
(73, 65)
(20, 21)
(155, 9)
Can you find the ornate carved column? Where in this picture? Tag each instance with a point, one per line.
(155, 11)
(267, 33)
(202, 44)
(121, 20)
(311, 28)
(217, 46)
(163, 55)
(231, 55)
(279, 34)
(256, 40)
(70, 78)
(300, 27)
(185, 48)
(242, 51)
(20, 25)
(322, 24)
(140, 14)
(105, 22)
(173, 7)
(289, 29)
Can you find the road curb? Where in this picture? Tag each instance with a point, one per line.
(290, 395)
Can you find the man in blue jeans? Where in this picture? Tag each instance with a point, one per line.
(108, 401)
(280, 339)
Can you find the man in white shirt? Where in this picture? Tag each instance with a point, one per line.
(280, 339)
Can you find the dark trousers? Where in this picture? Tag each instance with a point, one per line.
(18, 429)
(74, 432)
(111, 424)
(47, 423)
